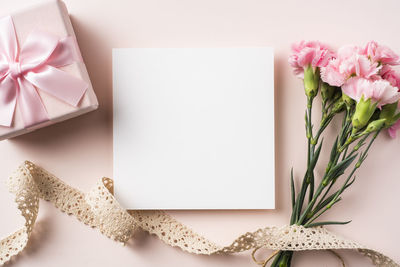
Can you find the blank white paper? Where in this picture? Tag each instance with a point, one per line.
(194, 128)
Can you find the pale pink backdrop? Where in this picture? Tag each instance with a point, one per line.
(80, 150)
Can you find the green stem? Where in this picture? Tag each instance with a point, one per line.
(336, 198)
(354, 150)
(312, 142)
(304, 215)
(323, 197)
(309, 131)
(283, 259)
(332, 162)
(307, 177)
(277, 259)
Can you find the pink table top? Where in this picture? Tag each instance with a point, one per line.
(80, 150)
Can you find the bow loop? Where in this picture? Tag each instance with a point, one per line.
(66, 53)
(37, 49)
(3, 68)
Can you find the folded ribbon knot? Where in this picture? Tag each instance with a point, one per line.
(15, 70)
(33, 66)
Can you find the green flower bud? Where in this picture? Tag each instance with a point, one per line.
(327, 91)
(349, 102)
(374, 126)
(364, 111)
(311, 81)
(388, 112)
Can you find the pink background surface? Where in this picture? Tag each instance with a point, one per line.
(80, 150)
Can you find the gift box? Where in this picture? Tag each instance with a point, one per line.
(43, 79)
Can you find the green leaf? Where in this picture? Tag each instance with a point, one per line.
(311, 192)
(293, 217)
(339, 169)
(325, 202)
(326, 223)
(332, 196)
(292, 189)
(334, 150)
(351, 182)
(316, 156)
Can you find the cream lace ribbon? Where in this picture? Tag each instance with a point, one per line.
(98, 208)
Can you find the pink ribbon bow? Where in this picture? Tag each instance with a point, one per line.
(35, 65)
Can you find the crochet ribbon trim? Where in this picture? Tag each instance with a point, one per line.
(99, 209)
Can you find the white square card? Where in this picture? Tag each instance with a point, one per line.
(194, 128)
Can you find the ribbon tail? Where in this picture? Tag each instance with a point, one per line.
(58, 83)
(8, 99)
(30, 104)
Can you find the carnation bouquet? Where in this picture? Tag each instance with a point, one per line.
(360, 85)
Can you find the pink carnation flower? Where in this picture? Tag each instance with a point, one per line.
(390, 75)
(332, 75)
(379, 91)
(350, 61)
(311, 53)
(381, 54)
